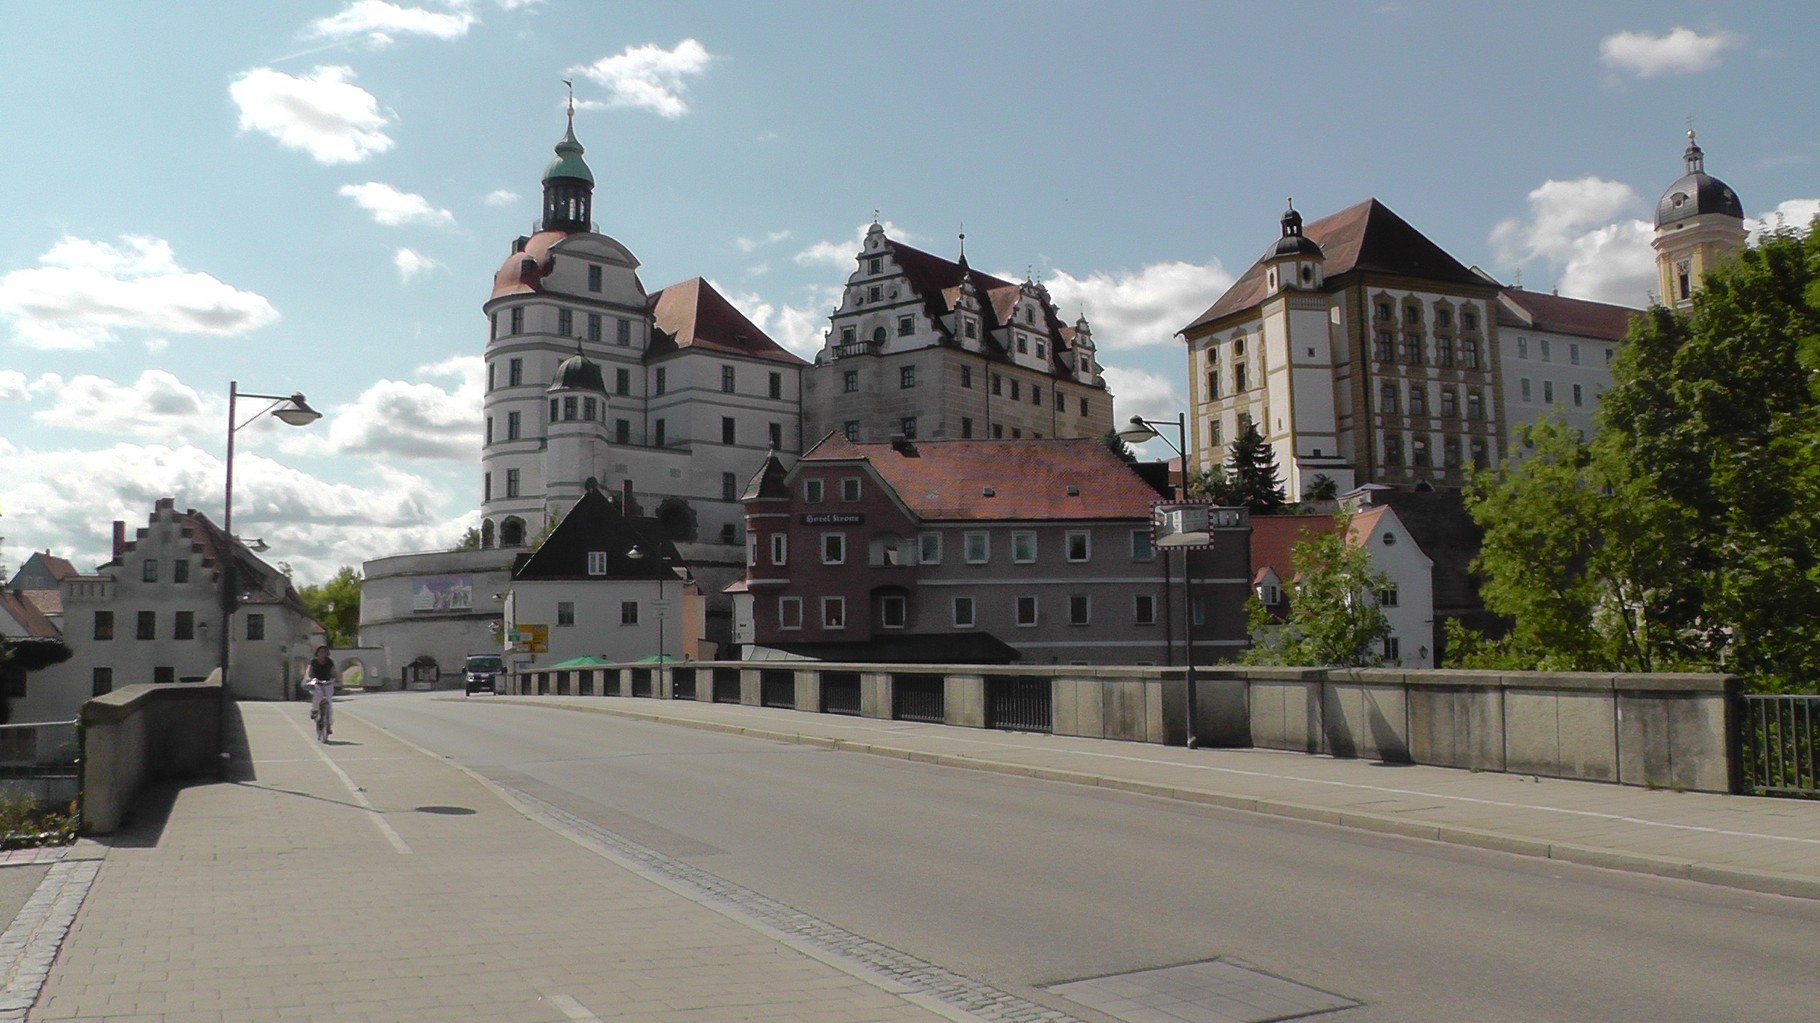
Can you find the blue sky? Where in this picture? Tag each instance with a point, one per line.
(314, 196)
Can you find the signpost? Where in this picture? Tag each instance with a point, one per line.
(530, 639)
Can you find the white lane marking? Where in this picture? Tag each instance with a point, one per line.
(572, 1009)
(360, 796)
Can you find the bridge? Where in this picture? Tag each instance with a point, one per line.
(563, 858)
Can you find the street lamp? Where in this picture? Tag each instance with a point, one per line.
(1141, 431)
(291, 410)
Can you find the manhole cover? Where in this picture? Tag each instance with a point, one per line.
(454, 811)
(1215, 991)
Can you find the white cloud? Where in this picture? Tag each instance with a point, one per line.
(800, 328)
(380, 21)
(649, 77)
(1681, 52)
(501, 197)
(1559, 213)
(1614, 263)
(392, 208)
(1143, 393)
(1794, 214)
(85, 291)
(845, 254)
(749, 244)
(322, 114)
(405, 419)
(411, 263)
(156, 406)
(1130, 309)
(12, 386)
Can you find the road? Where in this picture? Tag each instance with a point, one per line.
(1023, 884)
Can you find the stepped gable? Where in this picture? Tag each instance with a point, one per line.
(1029, 479)
(694, 315)
(1366, 238)
(937, 281)
(1564, 315)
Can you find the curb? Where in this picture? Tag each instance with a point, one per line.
(1762, 881)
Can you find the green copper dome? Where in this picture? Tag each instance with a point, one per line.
(568, 162)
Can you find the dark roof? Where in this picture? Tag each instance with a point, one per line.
(578, 373)
(693, 315)
(259, 582)
(1027, 479)
(1696, 192)
(767, 484)
(595, 524)
(1440, 524)
(932, 277)
(1564, 315)
(1366, 238)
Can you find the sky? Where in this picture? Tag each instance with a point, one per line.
(313, 196)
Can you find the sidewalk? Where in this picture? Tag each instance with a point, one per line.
(1760, 844)
(368, 882)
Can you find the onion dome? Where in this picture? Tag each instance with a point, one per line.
(578, 373)
(568, 185)
(1696, 192)
(1294, 242)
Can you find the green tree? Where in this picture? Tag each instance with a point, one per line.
(1209, 484)
(336, 606)
(1252, 476)
(470, 540)
(1334, 617)
(1681, 535)
(1116, 444)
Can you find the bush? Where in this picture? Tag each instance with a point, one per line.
(26, 825)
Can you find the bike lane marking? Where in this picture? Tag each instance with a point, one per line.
(359, 794)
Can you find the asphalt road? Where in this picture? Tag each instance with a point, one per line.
(1023, 883)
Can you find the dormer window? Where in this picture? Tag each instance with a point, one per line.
(874, 265)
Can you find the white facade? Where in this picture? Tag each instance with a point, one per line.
(1408, 599)
(429, 611)
(617, 620)
(1548, 370)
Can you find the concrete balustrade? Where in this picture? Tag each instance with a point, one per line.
(140, 734)
(1659, 730)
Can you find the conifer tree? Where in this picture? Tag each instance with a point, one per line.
(1252, 478)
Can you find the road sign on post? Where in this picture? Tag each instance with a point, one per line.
(531, 639)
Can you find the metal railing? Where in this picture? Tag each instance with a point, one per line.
(1781, 745)
(1019, 704)
(840, 692)
(919, 698)
(777, 688)
(41, 759)
(726, 685)
(682, 683)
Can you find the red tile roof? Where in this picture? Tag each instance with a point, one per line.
(1367, 238)
(1565, 315)
(1029, 479)
(23, 611)
(516, 276)
(694, 315)
(1273, 540)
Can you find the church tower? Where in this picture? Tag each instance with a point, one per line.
(1699, 224)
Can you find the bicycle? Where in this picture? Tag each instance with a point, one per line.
(322, 710)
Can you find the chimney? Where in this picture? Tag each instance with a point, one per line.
(902, 445)
(119, 538)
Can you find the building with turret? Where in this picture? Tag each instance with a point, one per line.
(1699, 224)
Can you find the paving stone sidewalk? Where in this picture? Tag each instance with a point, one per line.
(1755, 843)
(367, 882)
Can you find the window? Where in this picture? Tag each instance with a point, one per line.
(1523, 388)
(1579, 397)
(780, 548)
(849, 381)
(489, 439)
(597, 562)
(1080, 546)
(849, 489)
(1443, 318)
(812, 491)
(1393, 451)
(998, 384)
(1469, 353)
(149, 571)
(1061, 401)
(1450, 402)
(789, 612)
(963, 612)
(968, 329)
(892, 611)
(1197, 611)
(657, 433)
(1444, 352)
(1412, 314)
(1143, 611)
(1419, 452)
(594, 327)
(906, 376)
(555, 409)
(663, 381)
(515, 372)
(979, 548)
(998, 431)
(1023, 547)
(622, 431)
(511, 482)
(1216, 433)
(834, 548)
(486, 486)
(906, 325)
(1475, 406)
(776, 382)
(1387, 399)
(1387, 597)
(1240, 380)
(518, 320)
(1084, 406)
(104, 625)
(929, 548)
(1479, 460)
(622, 333)
(492, 377)
(1383, 310)
(102, 682)
(1026, 612)
(726, 379)
(1544, 344)
(727, 429)
(1040, 350)
(1079, 609)
(1383, 346)
(846, 335)
(186, 625)
(1412, 350)
(874, 293)
(1418, 400)
(513, 424)
(776, 430)
(834, 612)
(1023, 344)
(593, 278)
(1016, 386)
(907, 427)
(1548, 392)
(565, 322)
(875, 265)
(967, 377)
(751, 550)
(1141, 547)
(1392, 648)
(628, 612)
(1450, 451)
(850, 429)
(1469, 320)
(1213, 385)
(565, 612)
(729, 487)
(622, 381)
(255, 627)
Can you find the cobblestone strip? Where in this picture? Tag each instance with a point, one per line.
(927, 982)
(30, 945)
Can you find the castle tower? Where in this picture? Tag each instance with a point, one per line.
(1699, 224)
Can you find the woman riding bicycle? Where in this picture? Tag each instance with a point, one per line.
(319, 679)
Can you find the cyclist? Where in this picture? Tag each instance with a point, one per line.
(320, 681)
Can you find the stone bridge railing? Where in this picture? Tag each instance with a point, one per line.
(140, 734)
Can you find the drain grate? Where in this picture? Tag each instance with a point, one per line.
(1215, 991)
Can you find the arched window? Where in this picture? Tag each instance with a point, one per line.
(878, 336)
(512, 532)
(486, 534)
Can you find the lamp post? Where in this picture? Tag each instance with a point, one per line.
(1140, 431)
(291, 410)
